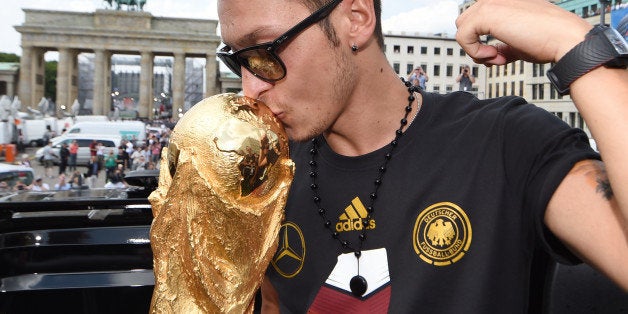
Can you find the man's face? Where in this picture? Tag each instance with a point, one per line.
(307, 100)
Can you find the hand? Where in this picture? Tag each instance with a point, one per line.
(531, 30)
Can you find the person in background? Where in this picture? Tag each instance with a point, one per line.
(139, 163)
(122, 158)
(418, 77)
(155, 152)
(92, 172)
(73, 154)
(76, 181)
(100, 153)
(39, 185)
(25, 160)
(93, 148)
(116, 179)
(20, 186)
(135, 155)
(48, 159)
(64, 155)
(110, 163)
(21, 141)
(466, 79)
(48, 134)
(62, 184)
(4, 186)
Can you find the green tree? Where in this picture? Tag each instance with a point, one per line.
(51, 80)
(9, 57)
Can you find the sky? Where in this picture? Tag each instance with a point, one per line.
(410, 16)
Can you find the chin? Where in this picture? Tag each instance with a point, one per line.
(300, 135)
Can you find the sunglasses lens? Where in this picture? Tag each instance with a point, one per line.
(231, 63)
(262, 63)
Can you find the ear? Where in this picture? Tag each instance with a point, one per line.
(363, 21)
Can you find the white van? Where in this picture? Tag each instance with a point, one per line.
(33, 131)
(130, 130)
(84, 140)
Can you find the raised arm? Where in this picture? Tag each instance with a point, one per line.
(589, 210)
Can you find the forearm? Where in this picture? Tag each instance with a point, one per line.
(600, 97)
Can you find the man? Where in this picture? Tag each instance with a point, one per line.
(64, 155)
(418, 77)
(62, 184)
(418, 204)
(73, 154)
(465, 78)
(40, 185)
(48, 158)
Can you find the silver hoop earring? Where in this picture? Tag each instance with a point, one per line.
(354, 48)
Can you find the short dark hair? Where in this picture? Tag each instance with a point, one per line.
(331, 33)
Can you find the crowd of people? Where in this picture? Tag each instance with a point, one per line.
(111, 162)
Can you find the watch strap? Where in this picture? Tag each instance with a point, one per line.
(589, 54)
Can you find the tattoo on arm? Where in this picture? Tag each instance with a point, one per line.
(603, 184)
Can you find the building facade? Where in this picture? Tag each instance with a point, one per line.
(9, 78)
(529, 80)
(439, 55)
(106, 33)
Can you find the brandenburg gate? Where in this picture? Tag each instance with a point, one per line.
(108, 32)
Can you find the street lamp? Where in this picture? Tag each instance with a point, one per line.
(114, 99)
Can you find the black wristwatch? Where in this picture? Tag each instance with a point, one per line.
(602, 46)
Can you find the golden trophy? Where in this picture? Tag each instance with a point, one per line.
(223, 184)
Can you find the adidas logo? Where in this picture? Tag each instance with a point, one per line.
(352, 219)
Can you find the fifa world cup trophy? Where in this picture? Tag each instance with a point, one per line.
(223, 184)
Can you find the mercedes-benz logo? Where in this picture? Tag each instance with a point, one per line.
(290, 256)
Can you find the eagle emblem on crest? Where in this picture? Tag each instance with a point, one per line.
(440, 232)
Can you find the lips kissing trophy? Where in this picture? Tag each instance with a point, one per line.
(223, 184)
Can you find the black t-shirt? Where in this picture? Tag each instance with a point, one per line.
(456, 220)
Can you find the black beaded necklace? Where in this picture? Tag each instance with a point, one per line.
(358, 283)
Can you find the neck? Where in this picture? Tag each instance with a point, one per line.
(375, 108)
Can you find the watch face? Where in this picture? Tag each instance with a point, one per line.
(618, 42)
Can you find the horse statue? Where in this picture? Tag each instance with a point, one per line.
(131, 5)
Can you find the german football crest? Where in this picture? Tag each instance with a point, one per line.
(442, 234)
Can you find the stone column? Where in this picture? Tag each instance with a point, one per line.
(38, 77)
(178, 84)
(63, 80)
(10, 89)
(107, 70)
(25, 88)
(211, 79)
(102, 95)
(146, 85)
(74, 78)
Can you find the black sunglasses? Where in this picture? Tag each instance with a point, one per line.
(262, 59)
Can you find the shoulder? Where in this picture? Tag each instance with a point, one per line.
(503, 117)
(464, 104)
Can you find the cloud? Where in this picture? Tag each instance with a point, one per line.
(431, 17)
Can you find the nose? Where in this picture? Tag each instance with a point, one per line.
(252, 86)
